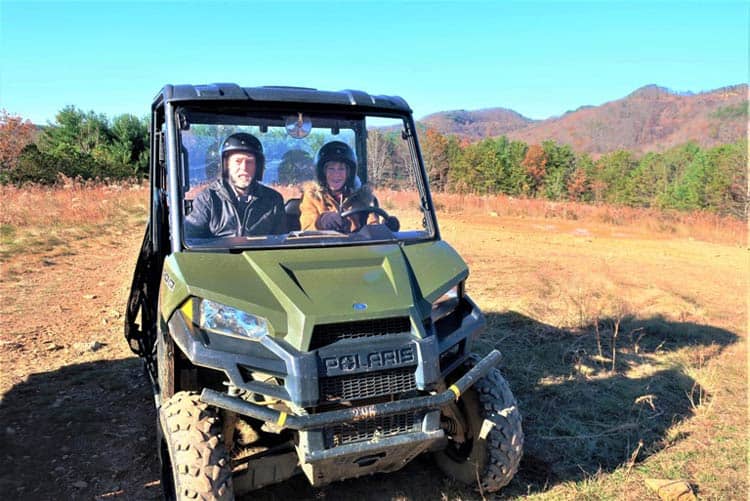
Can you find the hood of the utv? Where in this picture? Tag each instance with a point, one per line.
(295, 289)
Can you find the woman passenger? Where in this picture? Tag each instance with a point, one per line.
(337, 190)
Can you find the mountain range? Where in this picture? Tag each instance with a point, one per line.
(651, 118)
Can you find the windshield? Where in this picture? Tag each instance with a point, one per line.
(298, 178)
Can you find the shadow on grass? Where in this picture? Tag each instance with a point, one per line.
(83, 431)
(87, 431)
(581, 416)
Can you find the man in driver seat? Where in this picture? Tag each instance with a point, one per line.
(337, 190)
(236, 204)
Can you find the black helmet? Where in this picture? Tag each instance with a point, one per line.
(337, 151)
(247, 143)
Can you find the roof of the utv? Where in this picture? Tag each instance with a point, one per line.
(279, 94)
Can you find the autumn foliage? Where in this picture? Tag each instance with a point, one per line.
(86, 145)
(15, 134)
(534, 164)
(436, 156)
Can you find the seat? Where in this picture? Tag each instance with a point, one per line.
(291, 208)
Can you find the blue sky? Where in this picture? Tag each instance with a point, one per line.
(538, 58)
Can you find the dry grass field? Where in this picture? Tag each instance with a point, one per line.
(624, 336)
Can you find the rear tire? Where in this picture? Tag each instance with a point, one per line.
(491, 453)
(195, 463)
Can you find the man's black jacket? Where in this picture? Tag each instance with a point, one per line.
(217, 212)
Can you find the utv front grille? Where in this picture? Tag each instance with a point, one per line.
(326, 334)
(358, 386)
(384, 426)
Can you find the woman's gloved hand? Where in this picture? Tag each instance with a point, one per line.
(393, 223)
(332, 221)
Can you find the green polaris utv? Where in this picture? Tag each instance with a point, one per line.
(335, 354)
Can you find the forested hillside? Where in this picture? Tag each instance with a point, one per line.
(650, 119)
(476, 124)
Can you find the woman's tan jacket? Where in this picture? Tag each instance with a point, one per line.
(317, 200)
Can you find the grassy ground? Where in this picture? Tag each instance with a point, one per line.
(623, 335)
(627, 353)
(47, 221)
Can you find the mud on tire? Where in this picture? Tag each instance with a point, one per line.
(195, 464)
(490, 456)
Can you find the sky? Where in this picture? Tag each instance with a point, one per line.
(540, 59)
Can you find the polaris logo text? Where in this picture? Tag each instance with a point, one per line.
(381, 359)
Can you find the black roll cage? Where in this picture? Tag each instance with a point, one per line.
(273, 118)
(163, 231)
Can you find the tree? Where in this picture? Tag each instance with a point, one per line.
(561, 162)
(501, 171)
(296, 166)
(577, 184)
(515, 178)
(611, 174)
(435, 156)
(457, 172)
(33, 166)
(85, 144)
(689, 192)
(535, 163)
(674, 164)
(473, 167)
(726, 182)
(715, 180)
(580, 184)
(129, 143)
(76, 131)
(648, 181)
(379, 152)
(15, 134)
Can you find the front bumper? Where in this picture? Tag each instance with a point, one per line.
(323, 464)
(310, 421)
(429, 352)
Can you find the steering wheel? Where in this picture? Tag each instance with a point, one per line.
(390, 221)
(366, 210)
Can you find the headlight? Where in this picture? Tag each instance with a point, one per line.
(224, 319)
(447, 303)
